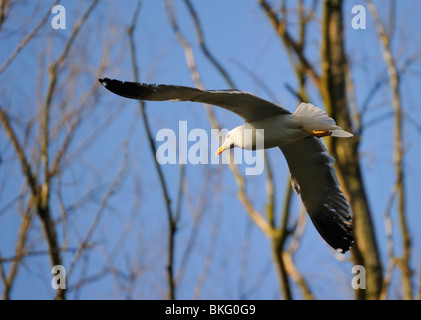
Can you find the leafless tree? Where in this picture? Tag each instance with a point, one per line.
(150, 231)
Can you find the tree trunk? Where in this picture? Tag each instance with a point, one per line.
(333, 89)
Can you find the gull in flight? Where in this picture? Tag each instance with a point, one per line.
(296, 134)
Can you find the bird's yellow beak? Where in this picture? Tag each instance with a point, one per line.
(223, 147)
(219, 151)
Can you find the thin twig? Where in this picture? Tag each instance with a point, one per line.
(25, 40)
(204, 47)
(198, 217)
(290, 43)
(172, 223)
(111, 190)
(255, 215)
(394, 83)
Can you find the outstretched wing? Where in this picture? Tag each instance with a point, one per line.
(314, 177)
(246, 105)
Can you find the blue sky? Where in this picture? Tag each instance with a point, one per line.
(230, 255)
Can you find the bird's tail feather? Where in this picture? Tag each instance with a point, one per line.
(313, 118)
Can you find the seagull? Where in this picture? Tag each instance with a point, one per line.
(296, 134)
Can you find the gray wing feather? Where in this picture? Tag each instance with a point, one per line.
(311, 168)
(246, 105)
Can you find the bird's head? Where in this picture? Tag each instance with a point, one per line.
(232, 139)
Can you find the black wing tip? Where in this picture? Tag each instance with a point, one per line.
(339, 237)
(346, 246)
(115, 86)
(342, 243)
(336, 230)
(111, 84)
(132, 90)
(104, 81)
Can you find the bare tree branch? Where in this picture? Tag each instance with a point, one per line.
(280, 26)
(172, 221)
(25, 40)
(394, 83)
(103, 205)
(204, 47)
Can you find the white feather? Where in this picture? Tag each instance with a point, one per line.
(313, 118)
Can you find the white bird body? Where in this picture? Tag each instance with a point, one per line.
(270, 125)
(270, 132)
(282, 129)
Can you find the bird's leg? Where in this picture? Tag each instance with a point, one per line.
(318, 133)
